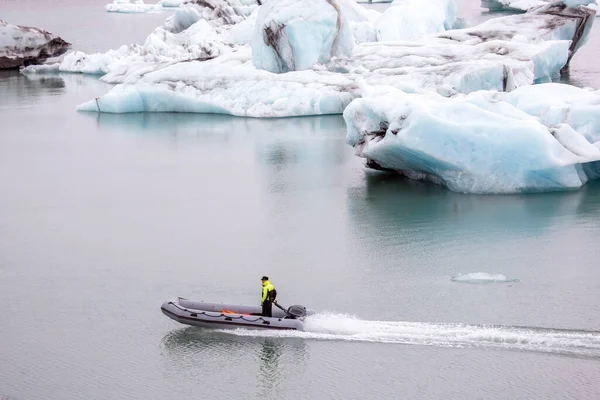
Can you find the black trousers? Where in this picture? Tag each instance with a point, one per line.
(267, 308)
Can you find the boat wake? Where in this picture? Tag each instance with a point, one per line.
(348, 328)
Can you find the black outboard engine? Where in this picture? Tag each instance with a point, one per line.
(296, 311)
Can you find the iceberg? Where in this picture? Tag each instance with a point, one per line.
(228, 88)
(22, 45)
(524, 5)
(501, 54)
(161, 48)
(199, 30)
(535, 138)
(415, 19)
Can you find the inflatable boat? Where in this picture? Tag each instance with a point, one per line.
(218, 315)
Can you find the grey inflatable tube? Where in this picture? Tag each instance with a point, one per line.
(228, 316)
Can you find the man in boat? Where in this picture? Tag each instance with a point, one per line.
(268, 297)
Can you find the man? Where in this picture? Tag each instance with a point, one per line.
(268, 297)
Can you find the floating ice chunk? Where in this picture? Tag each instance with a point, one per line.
(476, 143)
(41, 69)
(294, 35)
(198, 31)
(229, 89)
(133, 6)
(23, 45)
(161, 48)
(524, 5)
(482, 277)
(209, 83)
(414, 19)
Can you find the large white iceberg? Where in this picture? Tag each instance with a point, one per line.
(498, 55)
(228, 88)
(23, 45)
(415, 19)
(536, 138)
(524, 5)
(230, 85)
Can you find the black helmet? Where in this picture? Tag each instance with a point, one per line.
(264, 278)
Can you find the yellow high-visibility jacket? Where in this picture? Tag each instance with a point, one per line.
(266, 289)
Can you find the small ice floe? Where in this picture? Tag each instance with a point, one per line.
(482, 277)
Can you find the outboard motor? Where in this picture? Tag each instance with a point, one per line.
(296, 311)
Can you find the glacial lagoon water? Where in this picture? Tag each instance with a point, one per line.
(104, 217)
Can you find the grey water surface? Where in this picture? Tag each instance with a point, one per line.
(104, 217)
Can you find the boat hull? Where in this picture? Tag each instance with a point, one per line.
(211, 315)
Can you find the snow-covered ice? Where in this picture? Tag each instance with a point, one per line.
(483, 142)
(482, 277)
(415, 19)
(228, 88)
(199, 42)
(228, 81)
(197, 31)
(550, 22)
(22, 45)
(450, 67)
(501, 53)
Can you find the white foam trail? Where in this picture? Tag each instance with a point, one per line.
(349, 328)
(482, 277)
